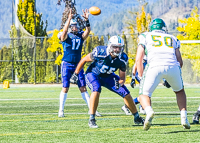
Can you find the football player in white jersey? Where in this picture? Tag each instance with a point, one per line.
(163, 61)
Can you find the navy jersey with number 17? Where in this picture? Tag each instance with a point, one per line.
(103, 64)
(72, 47)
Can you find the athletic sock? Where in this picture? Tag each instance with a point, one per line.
(63, 97)
(86, 97)
(136, 115)
(92, 116)
(148, 109)
(136, 100)
(183, 114)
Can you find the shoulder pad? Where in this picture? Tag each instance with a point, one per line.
(100, 51)
(123, 57)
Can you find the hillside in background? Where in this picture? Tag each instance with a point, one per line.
(169, 10)
(113, 18)
(53, 12)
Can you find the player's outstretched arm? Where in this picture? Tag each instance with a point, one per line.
(82, 62)
(74, 78)
(133, 76)
(139, 59)
(87, 29)
(122, 76)
(178, 56)
(63, 37)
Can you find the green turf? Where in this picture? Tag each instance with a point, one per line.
(30, 115)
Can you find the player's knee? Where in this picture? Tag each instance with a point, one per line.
(127, 96)
(96, 89)
(65, 90)
(180, 91)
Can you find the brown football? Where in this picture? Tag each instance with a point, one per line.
(95, 10)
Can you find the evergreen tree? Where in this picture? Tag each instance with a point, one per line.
(135, 29)
(24, 47)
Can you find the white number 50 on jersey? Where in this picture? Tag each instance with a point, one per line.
(106, 69)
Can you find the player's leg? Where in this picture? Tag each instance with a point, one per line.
(82, 87)
(95, 85)
(94, 101)
(130, 104)
(109, 83)
(136, 100)
(175, 80)
(150, 80)
(65, 74)
(196, 116)
(125, 108)
(83, 90)
(63, 97)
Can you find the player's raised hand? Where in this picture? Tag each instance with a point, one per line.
(70, 15)
(85, 14)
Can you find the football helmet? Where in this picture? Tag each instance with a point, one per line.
(157, 24)
(115, 41)
(73, 24)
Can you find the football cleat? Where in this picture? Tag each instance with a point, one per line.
(139, 120)
(126, 110)
(148, 120)
(142, 111)
(185, 123)
(92, 123)
(61, 114)
(196, 118)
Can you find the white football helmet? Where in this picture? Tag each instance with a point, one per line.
(115, 41)
(73, 23)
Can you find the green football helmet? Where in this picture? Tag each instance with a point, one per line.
(157, 24)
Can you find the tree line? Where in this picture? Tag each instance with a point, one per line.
(21, 58)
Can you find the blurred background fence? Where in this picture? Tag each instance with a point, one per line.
(22, 60)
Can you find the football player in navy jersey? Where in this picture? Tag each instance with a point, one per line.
(72, 46)
(105, 61)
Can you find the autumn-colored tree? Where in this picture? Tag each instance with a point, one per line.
(135, 29)
(190, 31)
(55, 46)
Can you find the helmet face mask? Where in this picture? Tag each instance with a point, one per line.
(74, 26)
(115, 45)
(157, 24)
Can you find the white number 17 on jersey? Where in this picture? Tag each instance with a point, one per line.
(74, 41)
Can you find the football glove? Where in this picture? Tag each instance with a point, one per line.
(133, 81)
(117, 85)
(74, 78)
(166, 84)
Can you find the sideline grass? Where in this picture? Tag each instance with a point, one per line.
(30, 115)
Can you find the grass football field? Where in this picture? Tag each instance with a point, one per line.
(30, 114)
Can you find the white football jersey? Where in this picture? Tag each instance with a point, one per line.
(159, 48)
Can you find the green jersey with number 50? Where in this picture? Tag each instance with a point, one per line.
(159, 47)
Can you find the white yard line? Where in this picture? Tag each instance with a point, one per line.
(114, 113)
(81, 98)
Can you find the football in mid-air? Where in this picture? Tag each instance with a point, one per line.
(95, 10)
